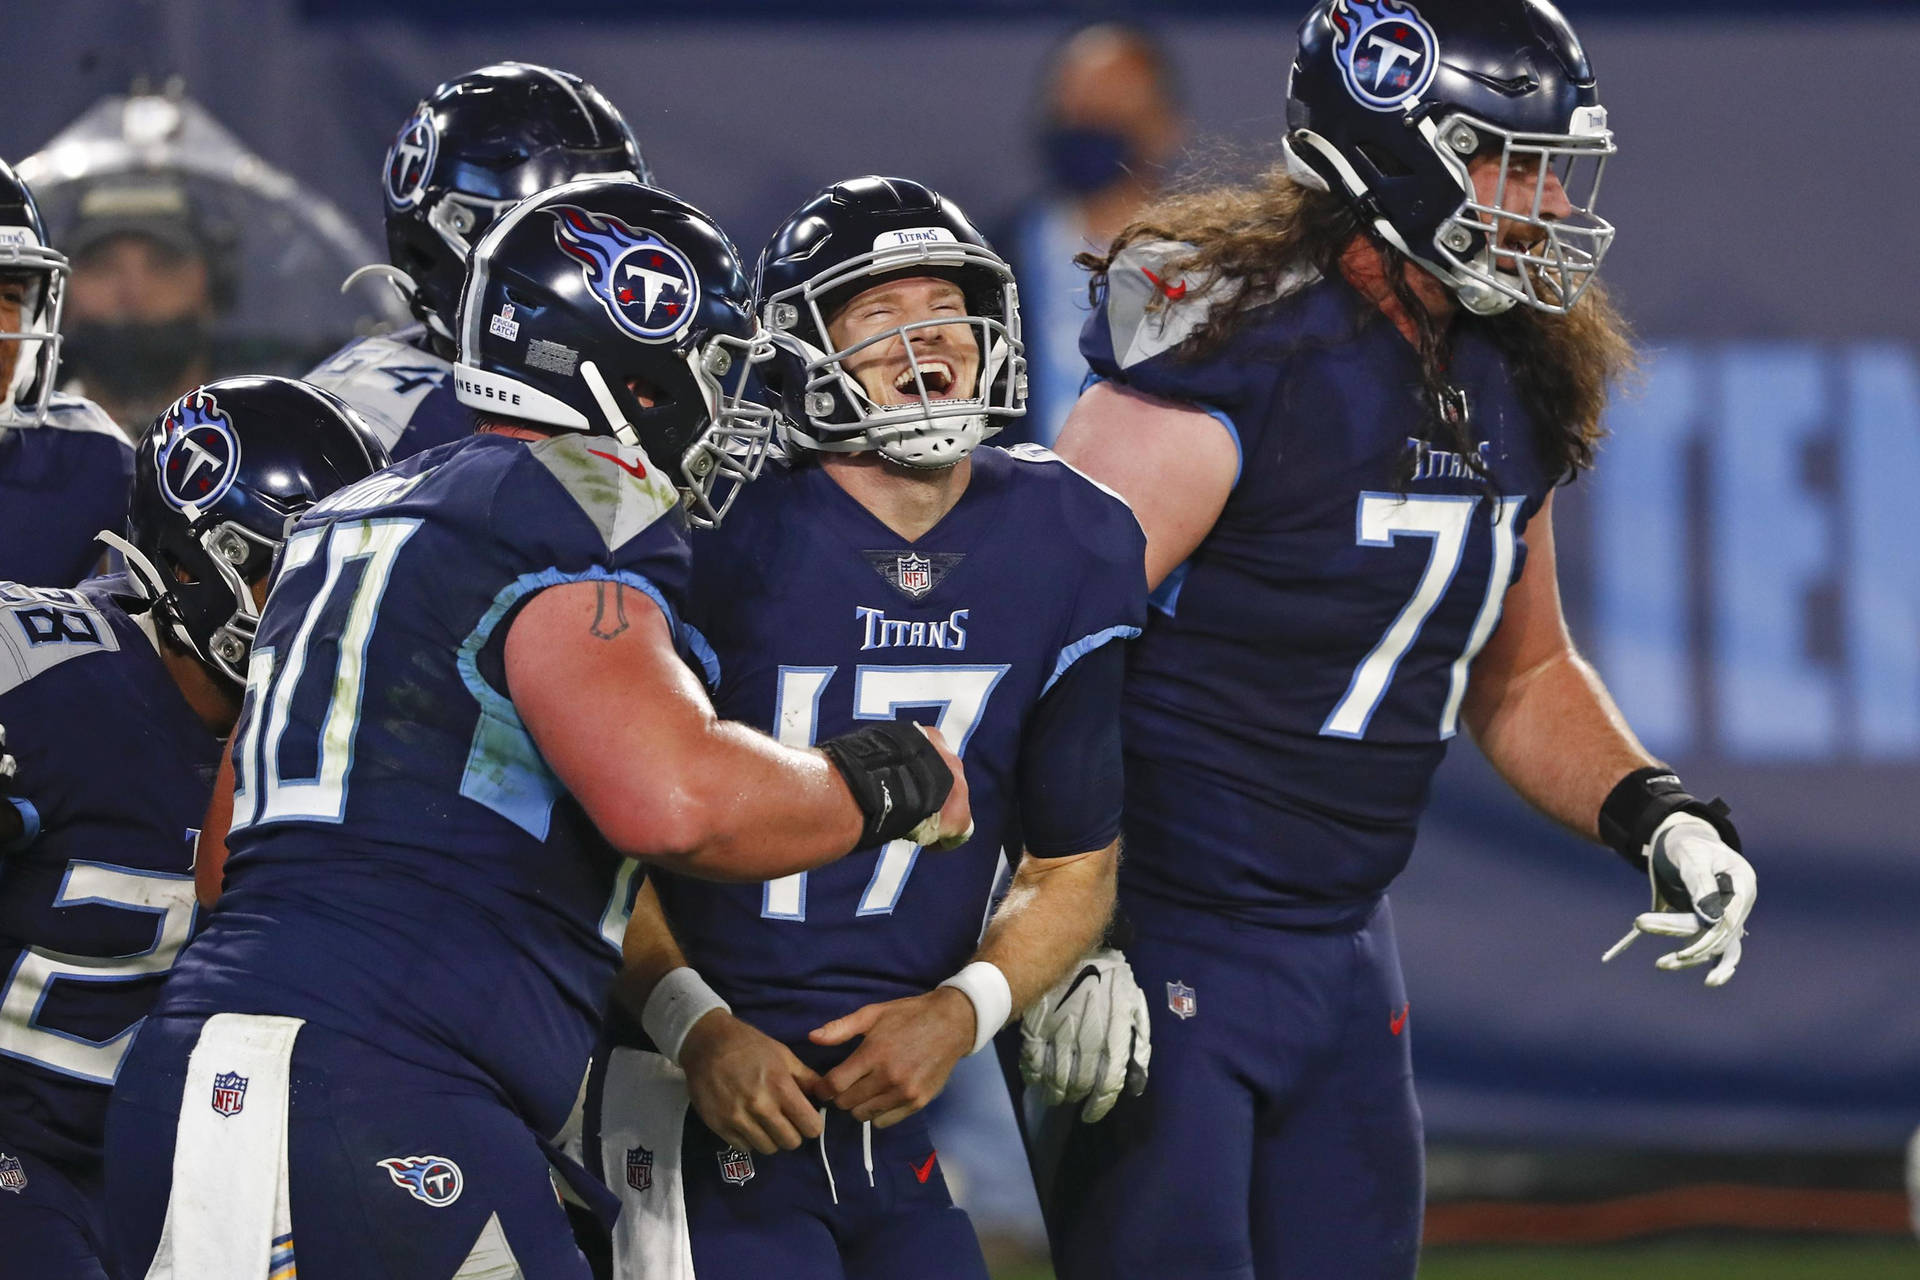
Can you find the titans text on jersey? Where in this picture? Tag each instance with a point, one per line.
(1287, 792)
(820, 617)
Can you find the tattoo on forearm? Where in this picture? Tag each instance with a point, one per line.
(605, 628)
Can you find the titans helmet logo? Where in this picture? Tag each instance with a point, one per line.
(410, 160)
(1386, 51)
(645, 284)
(199, 454)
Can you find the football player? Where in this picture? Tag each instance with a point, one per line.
(471, 696)
(471, 149)
(118, 694)
(64, 466)
(894, 568)
(1341, 401)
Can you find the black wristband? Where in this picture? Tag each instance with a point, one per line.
(1644, 799)
(896, 776)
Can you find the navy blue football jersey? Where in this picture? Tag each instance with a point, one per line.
(401, 387)
(820, 617)
(60, 484)
(1304, 670)
(118, 770)
(404, 866)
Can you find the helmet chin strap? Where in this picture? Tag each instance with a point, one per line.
(1478, 298)
(623, 431)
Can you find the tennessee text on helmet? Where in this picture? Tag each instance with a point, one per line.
(851, 237)
(219, 478)
(610, 307)
(1388, 103)
(24, 252)
(472, 149)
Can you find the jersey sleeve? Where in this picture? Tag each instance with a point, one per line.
(1071, 774)
(588, 509)
(1137, 334)
(1070, 756)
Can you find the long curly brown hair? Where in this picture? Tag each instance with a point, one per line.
(1246, 238)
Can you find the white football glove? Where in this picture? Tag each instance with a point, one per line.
(1088, 1037)
(1701, 885)
(7, 765)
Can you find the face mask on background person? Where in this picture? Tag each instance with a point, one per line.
(1082, 160)
(135, 360)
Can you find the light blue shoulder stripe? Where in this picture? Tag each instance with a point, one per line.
(30, 825)
(703, 651)
(505, 770)
(1081, 648)
(1218, 415)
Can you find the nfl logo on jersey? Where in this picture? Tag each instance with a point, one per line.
(916, 575)
(736, 1166)
(639, 1168)
(1180, 999)
(13, 1177)
(229, 1093)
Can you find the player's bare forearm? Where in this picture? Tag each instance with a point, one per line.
(592, 670)
(648, 952)
(1539, 711)
(1559, 741)
(1056, 909)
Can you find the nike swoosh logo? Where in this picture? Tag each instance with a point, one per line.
(925, 1171)
(1088, 972)
(1398, 1022)
(1172, 293)
(634, 469)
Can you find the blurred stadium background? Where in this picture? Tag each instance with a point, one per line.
(1743, 568)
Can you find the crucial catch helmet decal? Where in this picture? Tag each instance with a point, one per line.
(645, 284)
(410, 160)
(1386, 51)
(199, 454)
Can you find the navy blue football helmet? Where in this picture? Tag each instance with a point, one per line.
(24, 252)
(478, 145)
(847, 239)
(612, 308)
(1389, 102)
(218, 480)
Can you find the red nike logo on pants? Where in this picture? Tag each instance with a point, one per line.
(1398, 1021)
(925, 1171)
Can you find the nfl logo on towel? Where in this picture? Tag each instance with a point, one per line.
(639, 1168)
(229, 1093)
(916, 575)
(736, 1166)
(1181, 1000)
(13, 1177)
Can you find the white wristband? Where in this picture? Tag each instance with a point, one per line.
(678, 1001)
(986, 987)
